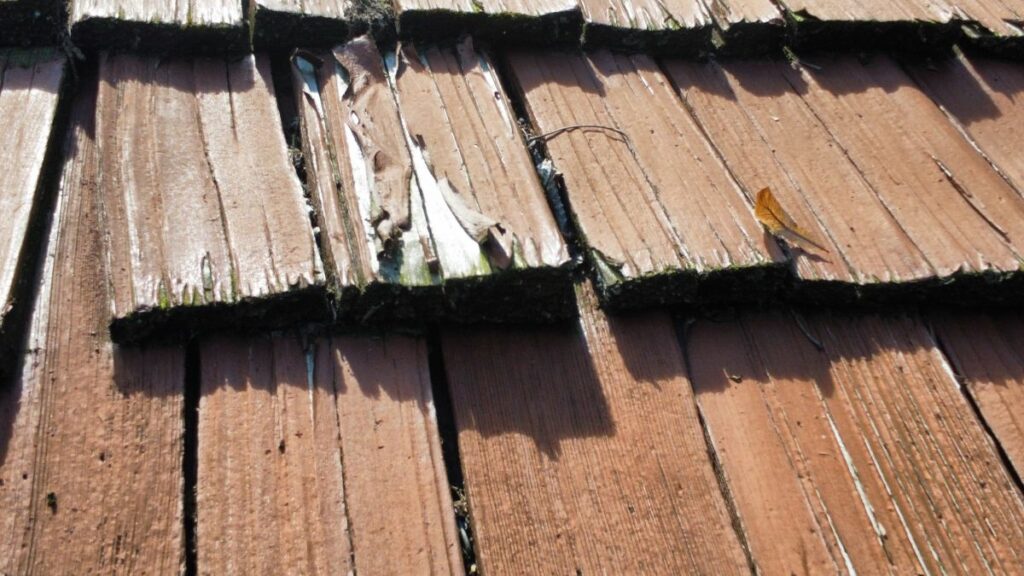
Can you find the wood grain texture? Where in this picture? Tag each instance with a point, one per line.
(29, 89)
(90, 434)
(647, 190)
(202, 203)
(847, 446)
(985, 350)
(211, 26)
(824, 142)
(981, 96)
(582, 450)
(411, 195)
(321, 460)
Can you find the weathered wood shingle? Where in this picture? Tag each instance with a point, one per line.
(659, 213)
(90, 433)
(427, 199)
(206, 216)
(30, 83)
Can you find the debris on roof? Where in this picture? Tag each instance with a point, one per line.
(657, 209)
(182, 26)
(325, 457)
(987, 353)
(30, 85)
(202, 206)
(90, 433)
(824, 141)
(847, 447)
(521, 22)
(582, 450)
(424, 189)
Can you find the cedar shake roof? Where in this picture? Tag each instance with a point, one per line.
(532, 287)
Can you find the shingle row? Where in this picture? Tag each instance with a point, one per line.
(662, 161)
(674, 27)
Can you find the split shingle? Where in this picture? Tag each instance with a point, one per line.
(987, 352)
(421, 179)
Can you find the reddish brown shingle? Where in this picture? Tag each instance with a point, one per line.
(846, 443)
(825, 141)
(323, 461)
(981, 96)
(582, 450)
(648, 192)
(90, 434)
(987, 352)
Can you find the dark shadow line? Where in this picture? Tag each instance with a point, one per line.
(682, 329)
(447, 429)
(190, 457)
(961, 382)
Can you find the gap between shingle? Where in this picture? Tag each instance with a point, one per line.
(448, 431)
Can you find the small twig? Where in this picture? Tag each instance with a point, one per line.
(541, 137)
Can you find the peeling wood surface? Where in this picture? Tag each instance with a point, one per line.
(824, 141)
(410, 194)
(321, 461)
(647, 189)
(29, 87)
(860, 455)
(202, 204)
(90, 434)
(982, 97)
(987, 353)
(582, 450)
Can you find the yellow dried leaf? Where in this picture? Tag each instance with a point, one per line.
(779, 223)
